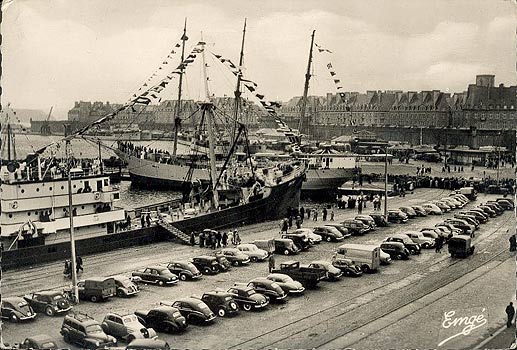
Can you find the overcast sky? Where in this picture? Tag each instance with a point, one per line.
(56, 52)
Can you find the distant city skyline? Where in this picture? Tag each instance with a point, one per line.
(57, 52)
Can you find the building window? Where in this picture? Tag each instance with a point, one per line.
(28, 213)
(37, 189)
(10, 216)
(62, 187)
(23, 191)
(50, 188)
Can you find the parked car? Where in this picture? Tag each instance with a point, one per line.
(309, 277)
(396, 250)
(448, 201)
(148, 344)
(299, 239)
(419, 210)
(248, 298)
(367, 220)
(285, 282)
(418, 237)
(329, 233)
(410, 212)
(342, 229)
(83, 330)
(268, 288)
(312, 237)
(126, 327)
(380, 220)
(467, 228)
(234, 256)
(333, 273)
(385, 258)
(468, 192)
(414, 248)
(125, 287)
(432, 234)
(49, 302)
(460, 246)
(488, 210)
(96, 289)
(193, 309)
(495, 207)
(450, 229)
(16, 309)
(506, 203)
(470, 219)
(220, 302)
(253, 252)
(432, 209)
(443, 206)
(481, 217)
(355, 227)
(184, 270)
(157, 274)
(207, 264)
(285, 246)
(224, 264)
(39, 342)
(166, 319)
(397, 216)
(347, 266)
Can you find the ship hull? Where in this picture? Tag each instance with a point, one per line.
(145, 173)
(274, 205)
(323, 183)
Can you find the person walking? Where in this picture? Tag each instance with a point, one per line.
(237, 238)
(298, 222)
(315, 217)
(271, 263)
(142, 220)
(438, 244)
(192, 239)
(510, 312)
(360, 205)
(218, 238)
(302, 213)
(68, 269)
(202, 240)
(234, 237)
(148, 219)
(308, 213)
(290, 221)
(285, 226)
(78, 264)
(325, 213)
(332, 214)
(225, 239)
(513, 243)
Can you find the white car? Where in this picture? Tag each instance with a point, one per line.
(432, 209)
(309, 233)
(251, 250)
(418, 237)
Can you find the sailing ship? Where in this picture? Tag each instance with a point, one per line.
(234, 195)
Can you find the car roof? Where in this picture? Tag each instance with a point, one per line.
(217, 292)
(205, 257)
(279, 275)
(13, 300)
(261, 279)
(157, 267)
(49, 293)
(188, 300)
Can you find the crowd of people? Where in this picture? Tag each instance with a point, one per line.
(215, 239)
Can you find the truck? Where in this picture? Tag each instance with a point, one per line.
(97, 288)
(308, 276)
(365, 255)
(468, 192)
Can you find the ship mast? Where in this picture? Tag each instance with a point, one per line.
(238, 87)
(304, 124)
(177, 119)
(207, 108)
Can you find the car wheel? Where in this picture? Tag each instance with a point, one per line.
(183, 277)
(400, 257)
(120, 293)
(207, 270)
(160, 283)
(130, 339)
(253, 259)
(286, 252)
(246, 307)
(49, 311)
(94, 299)
(66, 338)
(221, 312)
(366, 268)
(14, 318)
(235, 263)
(329, 238)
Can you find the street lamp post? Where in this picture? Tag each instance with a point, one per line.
(386, 182)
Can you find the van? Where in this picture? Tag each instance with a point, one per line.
(468, 192)
(365, 255)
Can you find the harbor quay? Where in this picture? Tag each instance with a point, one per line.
(351, 312)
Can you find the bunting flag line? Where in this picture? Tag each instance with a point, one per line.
(269, 106)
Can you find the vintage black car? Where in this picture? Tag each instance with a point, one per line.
(460, 246)
(37, 342)
(234, 256)
(193, 309)
(49, 302)
(16, 309)
(342, 229)
(368, 221)
(348, 267)
(397, 216)
(224, 264)
(285, 282)
(184, 270)
(166, 319)
(330, 233)
(248, 298)
(409, 211)
(125, 287)
(299, 239)
(333, 273)
(206, 264)
(285, 246)
(83, 330)
(414, 248)
(355, 227)
(419, 210)
(380, 220)
(308, 276)
(396, 250)
(268, 288)
(159, 275)
(503, 203)
(220, 302)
